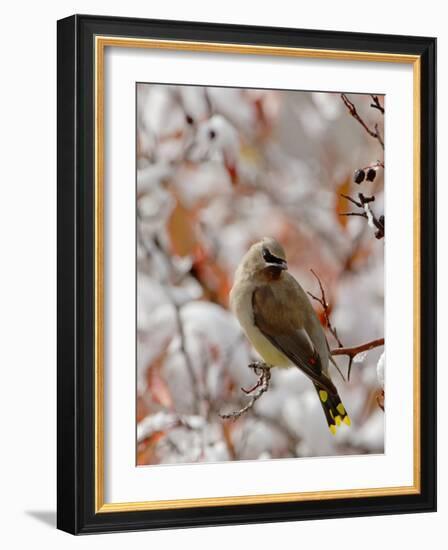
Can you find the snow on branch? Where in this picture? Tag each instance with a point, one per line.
(376, 223)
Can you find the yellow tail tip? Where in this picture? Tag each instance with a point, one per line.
(323, 395)
(347, 420)
(332, 429)
(338, 420)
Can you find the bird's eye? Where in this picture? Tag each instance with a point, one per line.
(270, 258)
(212, 134)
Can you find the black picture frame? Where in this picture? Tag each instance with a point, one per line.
(76, 226)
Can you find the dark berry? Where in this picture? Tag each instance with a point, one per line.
(359, 176)
(212, 134)
(189, 119)
(371, 174)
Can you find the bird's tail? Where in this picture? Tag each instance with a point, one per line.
(334, 410)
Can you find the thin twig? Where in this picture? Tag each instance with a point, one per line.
(378, 224)
(264, 373)
(353, 351)
(341, 350)
(188, 362)
(361, 214)
(352, 110)
(323, 302)
(376, 104)
(379, 136)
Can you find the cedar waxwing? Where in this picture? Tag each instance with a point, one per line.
(281, 324)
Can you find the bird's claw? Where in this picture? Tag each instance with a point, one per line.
(253, 388)
(260, 370)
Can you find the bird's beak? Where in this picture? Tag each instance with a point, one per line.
(282, 265)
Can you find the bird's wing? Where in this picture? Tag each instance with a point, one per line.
(283, 328)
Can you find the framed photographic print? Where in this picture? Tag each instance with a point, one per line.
(241, 336)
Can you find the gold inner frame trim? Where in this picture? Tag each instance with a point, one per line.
(101, 42)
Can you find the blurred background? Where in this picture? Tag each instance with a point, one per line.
(218, 169)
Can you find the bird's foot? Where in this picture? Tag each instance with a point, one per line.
(253, 388)
(264, 376)
(260, 369)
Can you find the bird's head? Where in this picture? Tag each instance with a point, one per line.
(265, 259)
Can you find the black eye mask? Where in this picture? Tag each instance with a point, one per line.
(270, 258)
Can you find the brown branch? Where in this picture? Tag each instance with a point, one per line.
(323, 302)
(376, 104)
(379, 136)
(355, 350)
(264, 377)
(354, 113)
